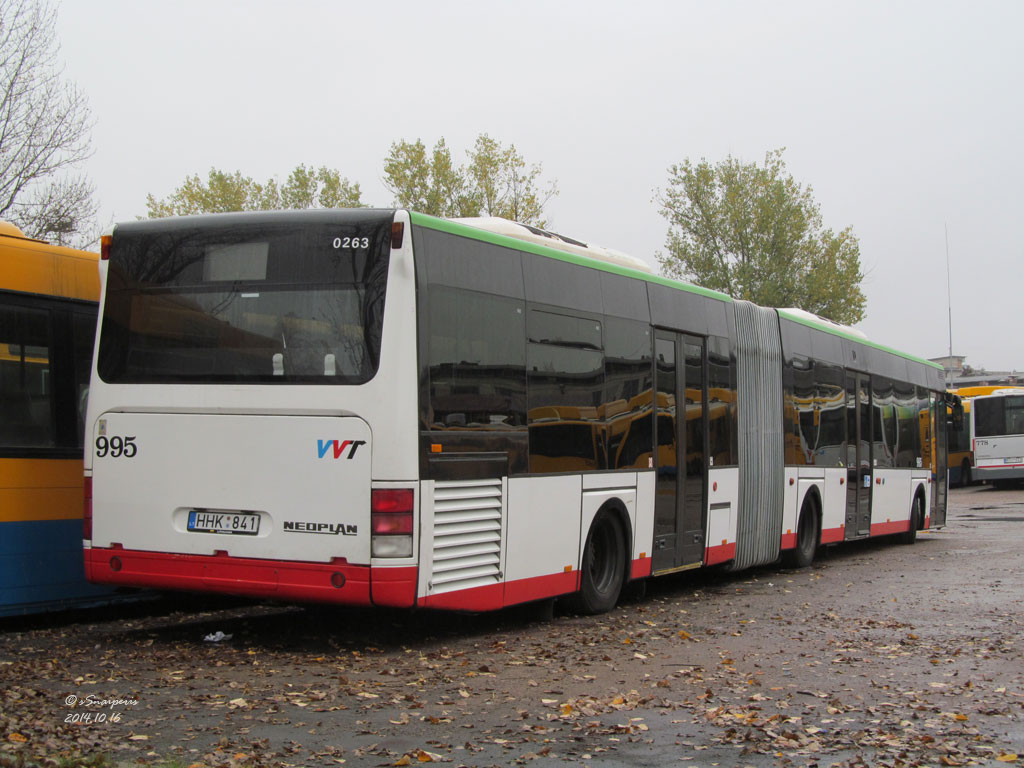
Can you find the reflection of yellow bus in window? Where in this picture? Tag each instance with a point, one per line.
(48, 298)
(822, 430)
(565, 438)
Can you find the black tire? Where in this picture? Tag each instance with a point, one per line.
(603, 570)
(965, 474)
(916, 521)
(808, 536)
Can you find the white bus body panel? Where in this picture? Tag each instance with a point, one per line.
(792, 497)
(643, 532)
(833, 502)
(310, 488)
(723, 502)
(543, 525)
(999, 457)
(890, 498)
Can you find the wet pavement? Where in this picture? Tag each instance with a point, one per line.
(878, 654)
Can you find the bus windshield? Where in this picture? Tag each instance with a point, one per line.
(205, 300)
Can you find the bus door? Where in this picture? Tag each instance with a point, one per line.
(681, 451)
(858, 455)
(940, 428)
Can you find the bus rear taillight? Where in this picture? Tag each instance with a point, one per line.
(105, 242)
(391, 512)
(87, 509)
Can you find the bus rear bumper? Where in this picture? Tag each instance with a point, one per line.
(335, 582)
(994, 474)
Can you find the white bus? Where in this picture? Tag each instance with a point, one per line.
(378, 407)
(997, 434)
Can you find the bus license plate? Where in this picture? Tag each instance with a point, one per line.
(243, 523)
(1013, 460)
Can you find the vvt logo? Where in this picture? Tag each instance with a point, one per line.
(324, 447)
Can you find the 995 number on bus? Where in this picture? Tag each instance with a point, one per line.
(116, 447)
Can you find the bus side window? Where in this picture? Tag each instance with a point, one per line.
(26, 391)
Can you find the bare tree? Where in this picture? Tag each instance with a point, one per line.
(44, 130)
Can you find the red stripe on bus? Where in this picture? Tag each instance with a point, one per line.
(541, 587)
(832, 535)
(721, 553)
(394, 586)
(486, 598)
(494, 596)
(248, 577)
(640, 568)
(887, 529)
(789, 541)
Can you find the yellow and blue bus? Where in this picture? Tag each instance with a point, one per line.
(48, 301)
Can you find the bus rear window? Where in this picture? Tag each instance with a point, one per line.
(264, 298)
(998, 416)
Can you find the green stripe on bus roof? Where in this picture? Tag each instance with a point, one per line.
(867, 342)
(465, 230)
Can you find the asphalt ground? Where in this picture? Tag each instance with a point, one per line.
(879, 654)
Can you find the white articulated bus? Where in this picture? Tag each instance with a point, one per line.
(997, 435)
(378, 407)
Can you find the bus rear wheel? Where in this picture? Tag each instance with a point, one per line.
(965, 474)
(916, 522)
(603, 570)
(808, 536)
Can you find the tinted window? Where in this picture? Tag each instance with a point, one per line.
(802, 406)
(628, 411)
(924, 427)
(565, 394)
(477, 360)
(908, 435)
(721, 402)
(461, 262)
(624, 297)
(665, 361)
(263, 298)
(83, 333)
(826, 348)
(551, 281)
(999, 416)
(830, 415)
(884, 422)
(26, 382)
(564, 330)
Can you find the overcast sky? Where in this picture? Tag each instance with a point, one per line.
(905, 118)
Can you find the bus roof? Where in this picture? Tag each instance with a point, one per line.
(824, 325)
(988, 389)
(573, 256)
(34, 266)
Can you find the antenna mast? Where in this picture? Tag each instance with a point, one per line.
(949, 304)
